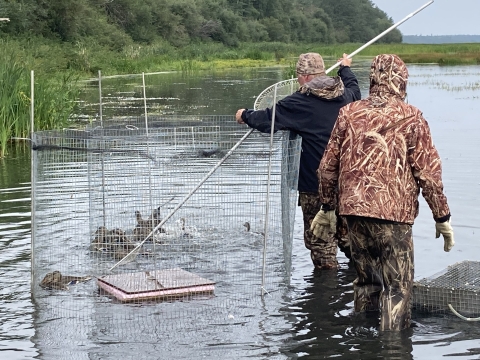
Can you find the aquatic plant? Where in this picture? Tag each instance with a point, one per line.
(54, 101)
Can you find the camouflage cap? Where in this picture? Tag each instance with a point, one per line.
(310, 64)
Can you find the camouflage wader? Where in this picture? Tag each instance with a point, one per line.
(383, 257)
(342, 236)
(323, 252)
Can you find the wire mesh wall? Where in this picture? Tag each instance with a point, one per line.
(130, 212)
(455, 289)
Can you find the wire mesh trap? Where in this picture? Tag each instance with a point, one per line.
(455, 289)
(106, 192)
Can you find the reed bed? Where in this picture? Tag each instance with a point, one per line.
(56, 90)
(54, 101)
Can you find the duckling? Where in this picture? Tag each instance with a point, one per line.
(118, 241)
(186, 234)
(177, 230)
(56, 281)
(248, 227)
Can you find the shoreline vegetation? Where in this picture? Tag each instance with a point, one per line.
(59, 66)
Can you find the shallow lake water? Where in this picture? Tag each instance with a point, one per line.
(313, 319)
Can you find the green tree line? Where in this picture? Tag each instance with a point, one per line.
(118, 23)
(62, 40)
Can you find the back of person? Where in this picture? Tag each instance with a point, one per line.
(379, 156)
(385, 139)
(311, 112)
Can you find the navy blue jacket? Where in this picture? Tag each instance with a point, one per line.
(310, 117)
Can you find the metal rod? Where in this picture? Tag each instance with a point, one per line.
(267, 206)
(32, 176)
(381, 35)
(268, 89)
(32, 103)
(100, 97)
(145, 111)
(104, 215)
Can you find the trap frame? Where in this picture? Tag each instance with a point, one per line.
(100, 192)
(455, 289)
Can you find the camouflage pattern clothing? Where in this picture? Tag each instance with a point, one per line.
(379, 156)
(310, 64)
(381, 153)
(382, 253)
(323, 252)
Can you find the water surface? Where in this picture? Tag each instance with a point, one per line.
(314, 318)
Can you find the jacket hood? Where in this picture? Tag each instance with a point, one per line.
(388, 76)
(324, 87)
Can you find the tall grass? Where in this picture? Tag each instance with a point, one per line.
(13, 102)
(54, 101)
(55, 63)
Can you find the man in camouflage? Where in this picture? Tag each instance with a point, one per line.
(378, 158)
(311, 113)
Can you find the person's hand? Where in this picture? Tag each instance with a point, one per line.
(325, 222)
(446, 230)
(238, 116)
(345, 61)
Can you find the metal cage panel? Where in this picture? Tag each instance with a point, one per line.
(97, 193)
(456, 287)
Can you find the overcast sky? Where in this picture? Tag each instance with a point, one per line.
(442, 17)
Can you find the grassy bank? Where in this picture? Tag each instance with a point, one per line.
(58, 66)
(85, 58)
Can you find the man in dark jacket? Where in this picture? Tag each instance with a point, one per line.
(311, 113)
(380, 155)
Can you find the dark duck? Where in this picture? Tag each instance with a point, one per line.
(56, 281)
(145, 226)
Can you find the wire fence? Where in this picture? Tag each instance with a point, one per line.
(99, 192)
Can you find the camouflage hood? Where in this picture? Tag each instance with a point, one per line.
(324, 87)
(388, 76)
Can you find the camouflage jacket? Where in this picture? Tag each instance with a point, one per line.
(379, 156)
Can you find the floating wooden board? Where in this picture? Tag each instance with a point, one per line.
(145, 285)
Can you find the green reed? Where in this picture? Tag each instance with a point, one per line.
(13, 102)
(442, 54)
(56, 90)
(54, 101)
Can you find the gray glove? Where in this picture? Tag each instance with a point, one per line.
(325, 222)
(447, 231)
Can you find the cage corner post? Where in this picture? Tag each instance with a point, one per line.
(32, 174)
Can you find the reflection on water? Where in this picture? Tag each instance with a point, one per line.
(325, 323)
(314, 318)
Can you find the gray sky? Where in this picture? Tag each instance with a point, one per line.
(442, 17)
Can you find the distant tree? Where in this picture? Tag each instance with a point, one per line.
(115, 23)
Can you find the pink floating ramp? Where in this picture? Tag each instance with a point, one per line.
(158, 284)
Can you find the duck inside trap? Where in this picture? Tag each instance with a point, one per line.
(155, 285)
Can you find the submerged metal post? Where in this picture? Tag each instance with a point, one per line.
(100, 113)
(32, 174)
(267, 206)
(150, 192)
